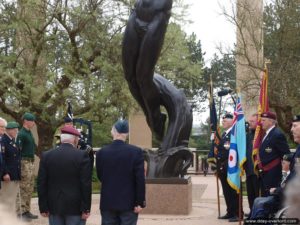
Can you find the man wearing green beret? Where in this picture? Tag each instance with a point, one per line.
(11, 175)
(26, 144)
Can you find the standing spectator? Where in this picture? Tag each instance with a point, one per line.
(64, 182)
(120, 168)
(3, 124)
(274, 145)
(296, 134)
(26, 144)
(252, 182)
(230, 195)
(12, 167)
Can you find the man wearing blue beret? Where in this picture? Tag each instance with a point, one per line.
(120, 169)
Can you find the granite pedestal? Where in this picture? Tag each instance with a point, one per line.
(168, 196)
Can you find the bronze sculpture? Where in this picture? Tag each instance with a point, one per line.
(142, 43)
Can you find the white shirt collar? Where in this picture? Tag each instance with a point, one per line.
(228, 130)
(268, 131)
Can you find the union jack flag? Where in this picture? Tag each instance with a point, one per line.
(237, 152)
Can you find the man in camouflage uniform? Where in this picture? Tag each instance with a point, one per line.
(26, 144)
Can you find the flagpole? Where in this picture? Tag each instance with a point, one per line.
(218, 195)
(240, 202)
(217, 163)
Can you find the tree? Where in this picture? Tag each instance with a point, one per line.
(280, 44)
(282, 47)
(51, 51)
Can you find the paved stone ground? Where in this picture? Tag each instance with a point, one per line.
(204, 210)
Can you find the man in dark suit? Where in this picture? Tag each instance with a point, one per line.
(230, 195)
(274, 145)
(296, 134)
(120, 168)
(12, 167)
(263, 207)
(251, 178)
(3, 124)
(64, 182)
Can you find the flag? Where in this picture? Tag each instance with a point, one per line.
(237, 152)
(263, 106)
(214, 128)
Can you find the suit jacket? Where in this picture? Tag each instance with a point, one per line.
(273, 146)
(249, 167)
(223, 152)
(11, 158)
(64, 181)
(120, 168)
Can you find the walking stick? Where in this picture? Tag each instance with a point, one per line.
(218, 195)
(240, 202)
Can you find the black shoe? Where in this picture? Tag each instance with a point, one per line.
(29, 215)
(225, 217)
(233, 219)
(24, 218)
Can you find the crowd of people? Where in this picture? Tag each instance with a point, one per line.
(275, 164)
(64, 182)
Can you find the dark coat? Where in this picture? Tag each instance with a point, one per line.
(120, 168)
(249, 167)
(223, 153)
(11, 158)
(274, 146)
(64, 181)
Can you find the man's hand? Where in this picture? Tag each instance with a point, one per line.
(45, 214)
(138, 209)
(6, 177)
(85, 215)
(272, 190)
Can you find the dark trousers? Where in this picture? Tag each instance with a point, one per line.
(111, 217)
(230, 195)
(66, 220)
(252, 189)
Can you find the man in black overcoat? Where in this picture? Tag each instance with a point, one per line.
(120, 168)
(64, 182)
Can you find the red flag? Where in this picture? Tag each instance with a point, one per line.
(263, 106)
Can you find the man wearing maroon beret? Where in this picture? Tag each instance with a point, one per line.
(64, 181)
(273, 147)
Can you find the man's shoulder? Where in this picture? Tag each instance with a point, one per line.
(4, 139)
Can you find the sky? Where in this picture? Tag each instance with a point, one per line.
(211, 27)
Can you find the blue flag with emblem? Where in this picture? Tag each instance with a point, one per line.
(237, 152)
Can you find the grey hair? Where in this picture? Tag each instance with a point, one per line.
(118, 135)
(67, 138)
(4, 121)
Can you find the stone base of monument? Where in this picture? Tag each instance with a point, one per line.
(168, 196)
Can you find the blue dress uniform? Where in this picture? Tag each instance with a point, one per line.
(230, 195)
(11, 158)
(271, 151)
